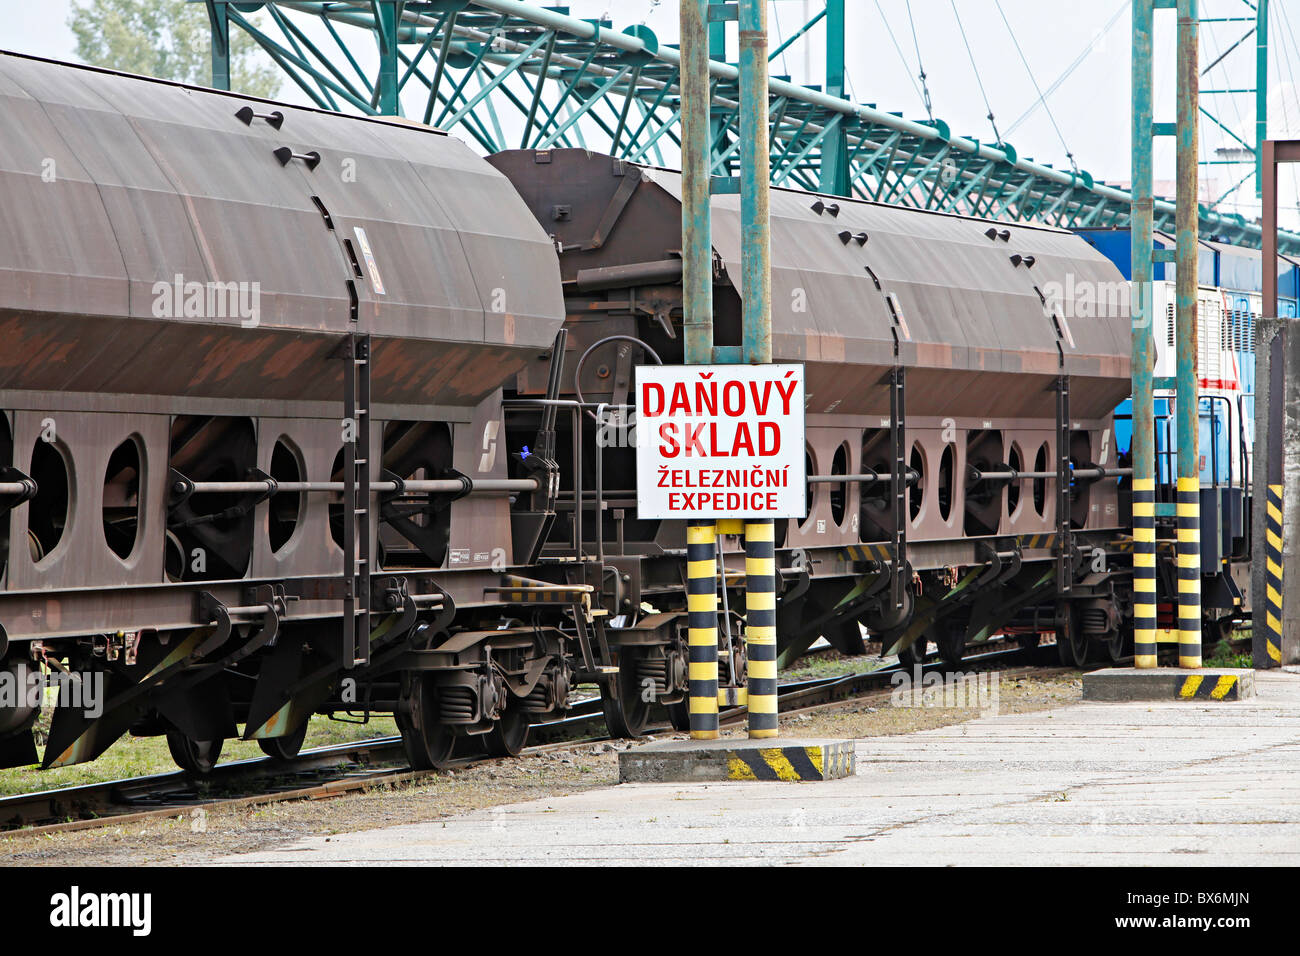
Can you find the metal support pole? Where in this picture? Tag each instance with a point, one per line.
(835, 147)
(1261, 91)
(702, 630)
(756, 295)
(760, 626)
(1187, 382)
(755, 263)
(386, 89)
(697, 331)
(1143, 450)
(1275, 606)
(219, 24)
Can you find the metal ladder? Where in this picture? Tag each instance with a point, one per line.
(356, 501)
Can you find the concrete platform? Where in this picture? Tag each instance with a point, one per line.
(683, 761)
(1168, 683)
(1181, 783)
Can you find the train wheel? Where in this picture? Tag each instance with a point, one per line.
(914, 654)
(950, 639)
(286, 747)
(193, 756)
(428, 742)
(627, 712)
(679, 715)
(1115, 646)
(508, 735)
(1072, 645)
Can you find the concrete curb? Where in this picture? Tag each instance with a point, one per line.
(679, 761)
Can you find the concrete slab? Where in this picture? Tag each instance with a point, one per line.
(683, 761)
(1191, 783)
(1168, 683)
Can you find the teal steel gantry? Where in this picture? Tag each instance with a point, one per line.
(506, 74)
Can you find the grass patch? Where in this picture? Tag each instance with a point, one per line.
(138, 756)
(833, 665)
(1224, 655)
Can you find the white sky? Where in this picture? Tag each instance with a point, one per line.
(1090, 107)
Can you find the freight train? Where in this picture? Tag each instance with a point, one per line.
(314, 414)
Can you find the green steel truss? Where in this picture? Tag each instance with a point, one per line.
(508, 74)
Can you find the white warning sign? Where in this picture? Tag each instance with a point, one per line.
(720, 441)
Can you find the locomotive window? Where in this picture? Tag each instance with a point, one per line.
(916, 493)
(1016, 462)
(945, 490)
(48, 513)
(1040, 484)
(810, 490)
(121, 498)
(840, 491)
(284, 510)
(6, 458)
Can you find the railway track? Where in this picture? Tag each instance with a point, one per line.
(353, 767)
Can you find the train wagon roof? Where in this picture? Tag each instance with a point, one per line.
(227, 234)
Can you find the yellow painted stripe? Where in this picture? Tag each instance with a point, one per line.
(1189, 560)
(1189, 535)
(1275, 540)
(701, 569)
(1274, 595)
(1144, 534)
(1189, 484)
(702, 670)
(760, 600)
(1223, 687)
(1144, 584)
(762, 734)
(704, 705)
(1144, 484)
(1145, 660)
(1274, 651)
(760, 635)
(1274, 624)
(762, 703)
(761, 669)
(731, 526)
(1188, 587)
(817, 757)
(1275, 512)
(737, 769)
(701, 602)
(1144, 509)
(777, 760)
(1144, 559)
(765, 531)
(1190, 686)
(1190, 662)
(1188, 509)
(700, 534)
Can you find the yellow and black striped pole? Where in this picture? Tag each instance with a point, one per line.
(1144, 572)
(1189, 571)
(1187, 381)
(760, 626)
(702, 629)
(1272, 616)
